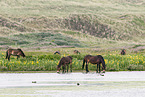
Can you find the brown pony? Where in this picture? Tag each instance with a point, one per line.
(123, 52)
(65, 61)
(57, 52)
(76, 52)
(15, 52)
(94, 60)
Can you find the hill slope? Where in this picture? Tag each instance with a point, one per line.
(76, 23)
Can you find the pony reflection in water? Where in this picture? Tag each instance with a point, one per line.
(15, 52)
(65, 61)
(94, 60)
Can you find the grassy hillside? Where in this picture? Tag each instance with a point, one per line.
(42, 24)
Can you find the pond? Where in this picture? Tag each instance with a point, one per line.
(112, 84)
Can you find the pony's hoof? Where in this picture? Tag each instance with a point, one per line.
(57, 71)
(103, 71)
(87, 71)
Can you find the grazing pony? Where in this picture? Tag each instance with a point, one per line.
(57, 52)
(65, 61)
(94, 60)
(76, 52)
(15, 52)
(123, 52)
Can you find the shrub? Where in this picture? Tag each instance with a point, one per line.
(132, 67)
(49, 57)
(4, 68)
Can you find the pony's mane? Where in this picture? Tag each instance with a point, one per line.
(70, 57)
(60, 62)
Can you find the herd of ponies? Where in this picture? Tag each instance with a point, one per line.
(66, 62)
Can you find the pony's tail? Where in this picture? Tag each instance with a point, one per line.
(83, 64)
(6, 54)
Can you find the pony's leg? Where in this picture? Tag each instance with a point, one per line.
(64, 68)
(97, 68)
(67, 67)
(9, 57)
(18, 57)
(70, 67)
(83, 64)
(6, 55)
(87, 68)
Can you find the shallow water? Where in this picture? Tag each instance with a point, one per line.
(112, 84)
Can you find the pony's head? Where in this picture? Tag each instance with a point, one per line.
(103, 62)
(103, 68)
(58, 68)
(103, 65)
(59, 65)
(22, 53)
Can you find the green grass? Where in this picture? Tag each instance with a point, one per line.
(43, 39)
(46, 61)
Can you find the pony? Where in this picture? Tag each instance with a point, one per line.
(123, 52)
(94, 60)
(57, 52)
(76, 52)
(15, 52)
(65, 61)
